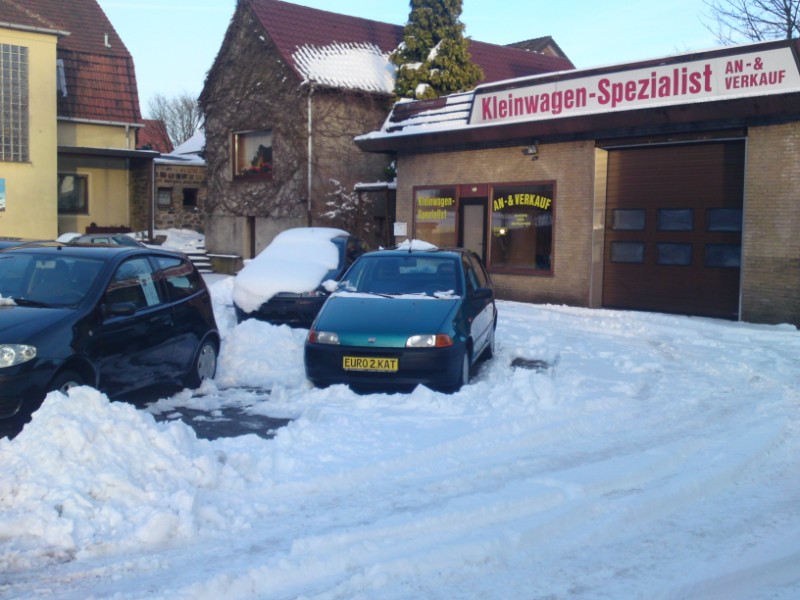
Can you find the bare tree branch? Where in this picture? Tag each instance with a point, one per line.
(736, 21)
(181, 115)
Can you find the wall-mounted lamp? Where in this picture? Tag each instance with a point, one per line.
(532, 150)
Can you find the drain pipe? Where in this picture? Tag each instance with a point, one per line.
(310, 165)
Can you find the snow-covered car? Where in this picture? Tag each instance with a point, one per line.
(290, 279)
(117, 318)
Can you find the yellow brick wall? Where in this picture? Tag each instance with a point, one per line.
(771, 238)
(570, 165)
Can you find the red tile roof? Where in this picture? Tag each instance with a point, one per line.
(153, 136)
(291, 26)
(99, 71)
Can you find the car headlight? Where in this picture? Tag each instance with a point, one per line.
(438, 340)
(323, 337)
(15, 354)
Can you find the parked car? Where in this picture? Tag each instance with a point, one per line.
(290, 279)
(106, 239)
(117, 318)
(400, 318)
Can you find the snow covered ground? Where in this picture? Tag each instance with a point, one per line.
(631, 455)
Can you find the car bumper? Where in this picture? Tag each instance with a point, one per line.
(23, 387)
(437, 368)
(299, 311)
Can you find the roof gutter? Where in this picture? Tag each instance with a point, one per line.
(100, 122)
(32, 29)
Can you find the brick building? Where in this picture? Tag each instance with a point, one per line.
(667, 185)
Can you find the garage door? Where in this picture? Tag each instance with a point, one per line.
(674, 229)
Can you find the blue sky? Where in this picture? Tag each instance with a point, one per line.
(174, 42)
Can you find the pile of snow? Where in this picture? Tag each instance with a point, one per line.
(600, 454)
(413, 244)
(295, 261)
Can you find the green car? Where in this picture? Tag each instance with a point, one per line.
(401, 318)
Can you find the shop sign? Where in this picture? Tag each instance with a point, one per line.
(434, 209)
(518, 200)
(2, 194)
(771, 71)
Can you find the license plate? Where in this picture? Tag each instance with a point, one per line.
(369, 363)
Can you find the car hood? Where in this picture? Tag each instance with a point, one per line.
(389, 320)
(19, 323)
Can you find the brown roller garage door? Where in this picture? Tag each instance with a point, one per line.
(674, 228)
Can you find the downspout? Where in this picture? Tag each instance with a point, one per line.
(151, 222)
(310, 166)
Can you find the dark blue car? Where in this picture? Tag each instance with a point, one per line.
(401, 318)
(116, 318)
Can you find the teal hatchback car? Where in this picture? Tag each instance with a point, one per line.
(401, 318)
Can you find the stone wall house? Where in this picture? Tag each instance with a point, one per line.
(289, 90)
(180, 187)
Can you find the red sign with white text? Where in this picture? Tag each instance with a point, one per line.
(753, 74)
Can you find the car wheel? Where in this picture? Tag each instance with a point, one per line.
(465, 371)
(204, 365)
(65, 381)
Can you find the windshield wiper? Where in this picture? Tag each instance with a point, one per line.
(28, 302)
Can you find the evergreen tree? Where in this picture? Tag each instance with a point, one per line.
(434, 58)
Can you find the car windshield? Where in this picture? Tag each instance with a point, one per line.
(400, 274)
(46, 280)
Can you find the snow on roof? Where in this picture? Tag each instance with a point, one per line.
(194, 145)
(186, 153)
(357, 66)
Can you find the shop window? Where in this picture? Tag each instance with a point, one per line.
(435, 216)
(14, 139)
(522, 227)
(675, 219)
(164, 197)
(724, 219)
(253, 154)
(674, 254)
(627, 252)
(723, 255)
(627, 219)
(73, 194)
(190, 197)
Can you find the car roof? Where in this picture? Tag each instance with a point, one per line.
(89, 250)
(419, 252)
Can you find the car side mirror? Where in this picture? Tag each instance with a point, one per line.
(119, 309)
(483, 294)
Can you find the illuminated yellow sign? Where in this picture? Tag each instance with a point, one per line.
(433, 209)
(517, 200)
